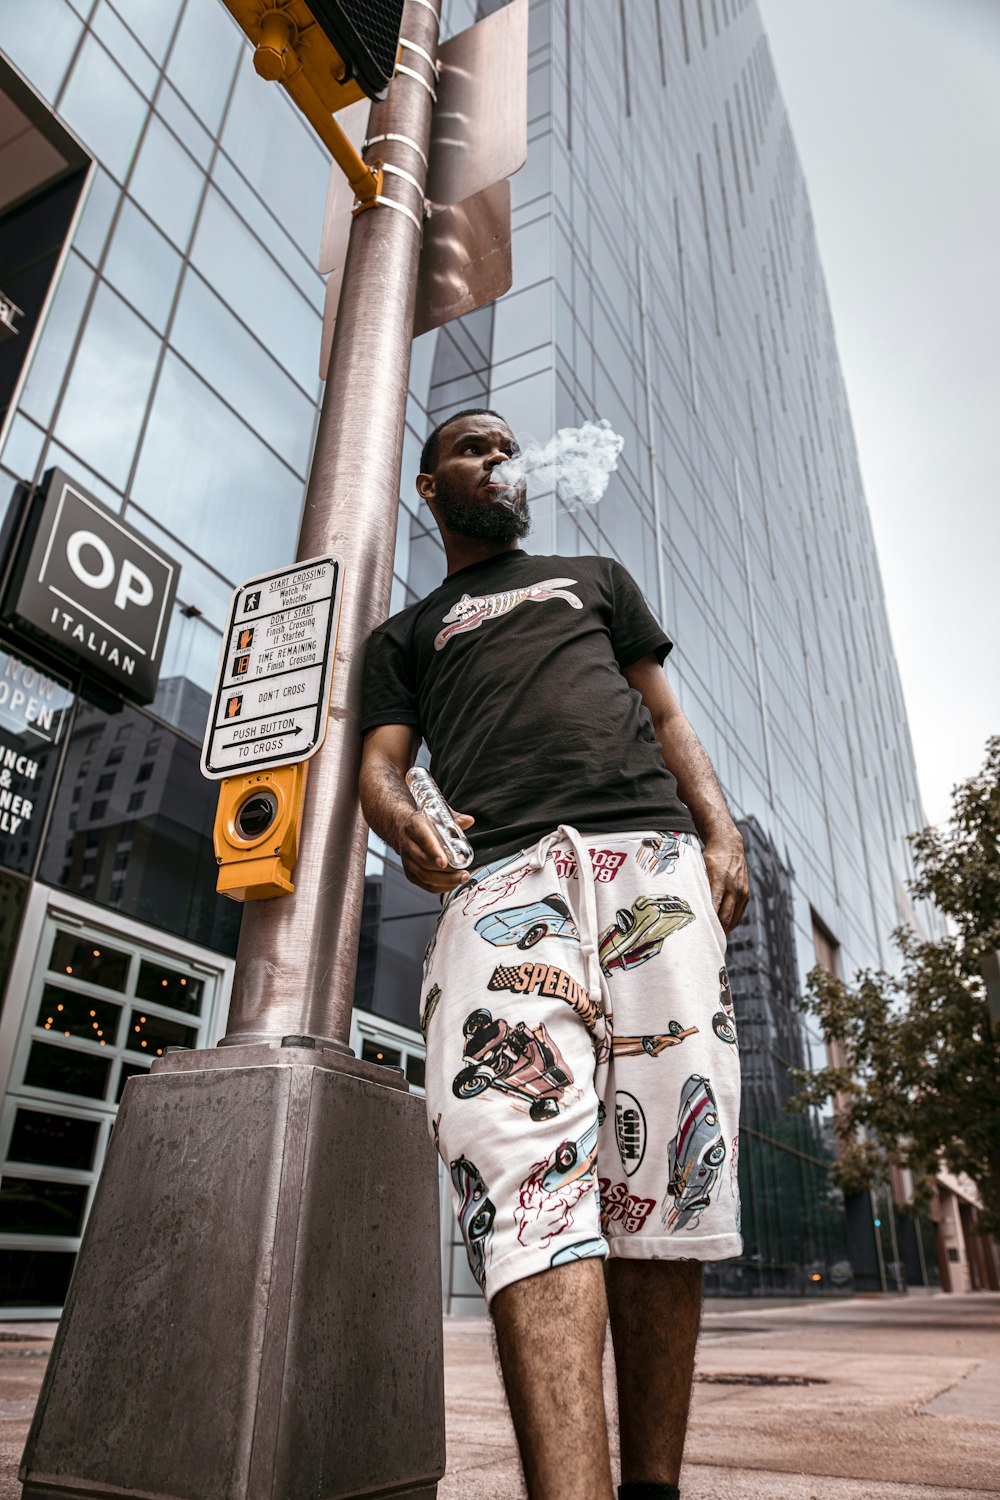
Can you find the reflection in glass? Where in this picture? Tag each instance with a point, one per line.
(40, 39)
(46, 1139)
(202, 58)
(35, 1278)
(204, 475)
(151, 20)
(107, 392)
(103, 107)
(51, 357)
(167, 183)
(262, 135)
(66, 1071)
(167, 987)
(142, 265)
(375, 1052)
(226, 355)
(154, 1034)
(90, 960)
(29, 1206)
(235, 263)
(155, 863)
(66, 1013)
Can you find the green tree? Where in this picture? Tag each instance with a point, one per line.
(918, 1081)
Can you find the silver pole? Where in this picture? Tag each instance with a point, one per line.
(297, 954)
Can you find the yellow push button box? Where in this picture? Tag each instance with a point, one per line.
(256, 833)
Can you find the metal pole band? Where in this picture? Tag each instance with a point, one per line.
(421, 53)
(411, 73)
(373, 140)
(400, 208)
(428, 6)
(406, 176)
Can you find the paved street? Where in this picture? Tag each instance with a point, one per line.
(877, 1399)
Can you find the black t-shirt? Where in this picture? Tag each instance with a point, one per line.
(511, 671)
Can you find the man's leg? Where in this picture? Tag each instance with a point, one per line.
(550, 1337)
(655, 1308)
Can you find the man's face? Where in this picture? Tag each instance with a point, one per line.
(467, 499)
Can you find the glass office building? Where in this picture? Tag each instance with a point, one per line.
(160, 222)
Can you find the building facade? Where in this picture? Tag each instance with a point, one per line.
(666, 277)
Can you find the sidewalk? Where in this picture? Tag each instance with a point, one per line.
(876, 1398)
(905, 1404)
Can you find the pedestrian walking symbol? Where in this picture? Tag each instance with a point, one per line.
(251, 601)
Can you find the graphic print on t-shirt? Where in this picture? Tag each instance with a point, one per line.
(472, 609)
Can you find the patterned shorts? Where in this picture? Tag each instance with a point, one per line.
(583, 1078)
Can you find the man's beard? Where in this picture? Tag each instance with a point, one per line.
(483, 520)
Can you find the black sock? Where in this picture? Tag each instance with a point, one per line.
(648, 1492)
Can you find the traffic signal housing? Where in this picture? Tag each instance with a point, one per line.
(365, 33)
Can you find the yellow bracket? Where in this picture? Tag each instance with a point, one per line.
(290, 49)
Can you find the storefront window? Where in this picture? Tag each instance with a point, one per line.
(45, 1139)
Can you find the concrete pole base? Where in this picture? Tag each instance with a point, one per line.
(255, 1312)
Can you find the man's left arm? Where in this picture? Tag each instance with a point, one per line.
(699, 789)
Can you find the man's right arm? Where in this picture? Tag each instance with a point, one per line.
(388, 752)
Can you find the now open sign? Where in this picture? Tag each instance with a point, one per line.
(96, 591)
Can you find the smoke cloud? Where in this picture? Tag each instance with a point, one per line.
(576, 464)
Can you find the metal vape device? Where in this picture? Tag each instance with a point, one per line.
(428, 796)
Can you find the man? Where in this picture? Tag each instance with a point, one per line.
(580, 1088)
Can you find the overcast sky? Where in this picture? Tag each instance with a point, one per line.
(895, 108)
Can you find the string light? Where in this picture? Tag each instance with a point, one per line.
(93, 1012)
(97, 952)
(69, 968)
(58, 1007)
(141, 1044)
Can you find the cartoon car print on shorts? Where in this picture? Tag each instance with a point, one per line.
(653, 1043)
(475, 1215)
(520, 1061)
(659, 853)
(641, 930)
(554, 1187)
(527, 925)
(724, 1021)
(429, 1007)
(695, 1155)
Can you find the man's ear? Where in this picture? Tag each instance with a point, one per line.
(426, 488)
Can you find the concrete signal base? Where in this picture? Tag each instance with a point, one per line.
(256, 1308)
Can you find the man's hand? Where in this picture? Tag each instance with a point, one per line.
(424, 859)
(725, 862)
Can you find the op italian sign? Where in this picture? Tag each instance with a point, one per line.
(93, 589)
(272, 690)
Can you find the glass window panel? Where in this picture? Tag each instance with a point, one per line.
(167, 183)
(151, 20)
(46, 1139)
(415, 1070)
(154, 1034)
(104, 109)
(206, 477)
(123, 47)
(234, 364)
(241, 272)
(184, 125)
(89, 959)
(66, 1071)
(23, 448)
(187, 675)
(199, 585)
(106, 397)
(262, 134)
(143, 266)
(40, 39)
(56, 456)
(167, 987)
(375, 1052)
(202, 58)
(66, 1013)
(254, 211)
(128, 1070)
(35, 1278)
(30, 1206)
(170, 879)
(98, 211)
(51, 356)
